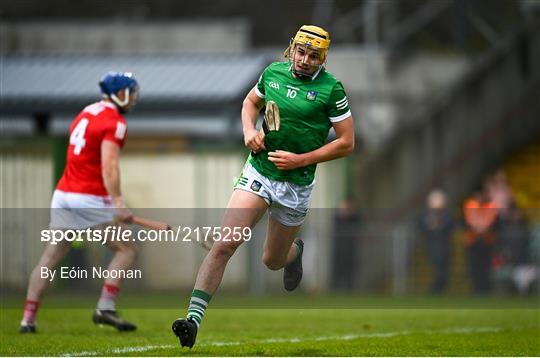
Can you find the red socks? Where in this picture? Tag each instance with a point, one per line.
(29, 313)
(107, 301)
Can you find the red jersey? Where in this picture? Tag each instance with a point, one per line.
(97, 122)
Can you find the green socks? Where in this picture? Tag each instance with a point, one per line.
(197, 306)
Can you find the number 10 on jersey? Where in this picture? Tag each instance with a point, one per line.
(291, 93)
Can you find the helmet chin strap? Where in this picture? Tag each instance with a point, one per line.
(305, 75)
(117, 100)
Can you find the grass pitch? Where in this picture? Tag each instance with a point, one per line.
(495, 330)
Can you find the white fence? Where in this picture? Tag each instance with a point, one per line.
(170, 180)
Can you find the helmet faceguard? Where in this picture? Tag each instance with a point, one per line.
(113, 82)
(314, 40)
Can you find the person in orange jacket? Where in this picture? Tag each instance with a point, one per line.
(480, 214)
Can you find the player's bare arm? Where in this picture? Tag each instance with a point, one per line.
(110, 155)
(342, 146)
(251, 107)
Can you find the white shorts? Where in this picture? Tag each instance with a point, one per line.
(80, 211)
(288, 202)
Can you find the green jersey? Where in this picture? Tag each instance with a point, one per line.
(307, 108)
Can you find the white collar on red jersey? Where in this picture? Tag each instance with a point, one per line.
(109, 105)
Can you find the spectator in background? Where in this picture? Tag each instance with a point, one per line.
(499, 190)
(480, 214)
(513, 236)
(345, 246)
(512, 259)
(436, 225)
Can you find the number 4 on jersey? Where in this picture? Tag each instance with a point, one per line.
(77, 136)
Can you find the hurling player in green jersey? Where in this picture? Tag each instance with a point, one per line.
(279, 174)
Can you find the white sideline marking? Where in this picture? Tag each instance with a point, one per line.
(347, 337)
(119, 350)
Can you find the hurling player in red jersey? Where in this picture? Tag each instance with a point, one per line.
(88, 195)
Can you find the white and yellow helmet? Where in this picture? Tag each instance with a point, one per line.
(313, 37)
